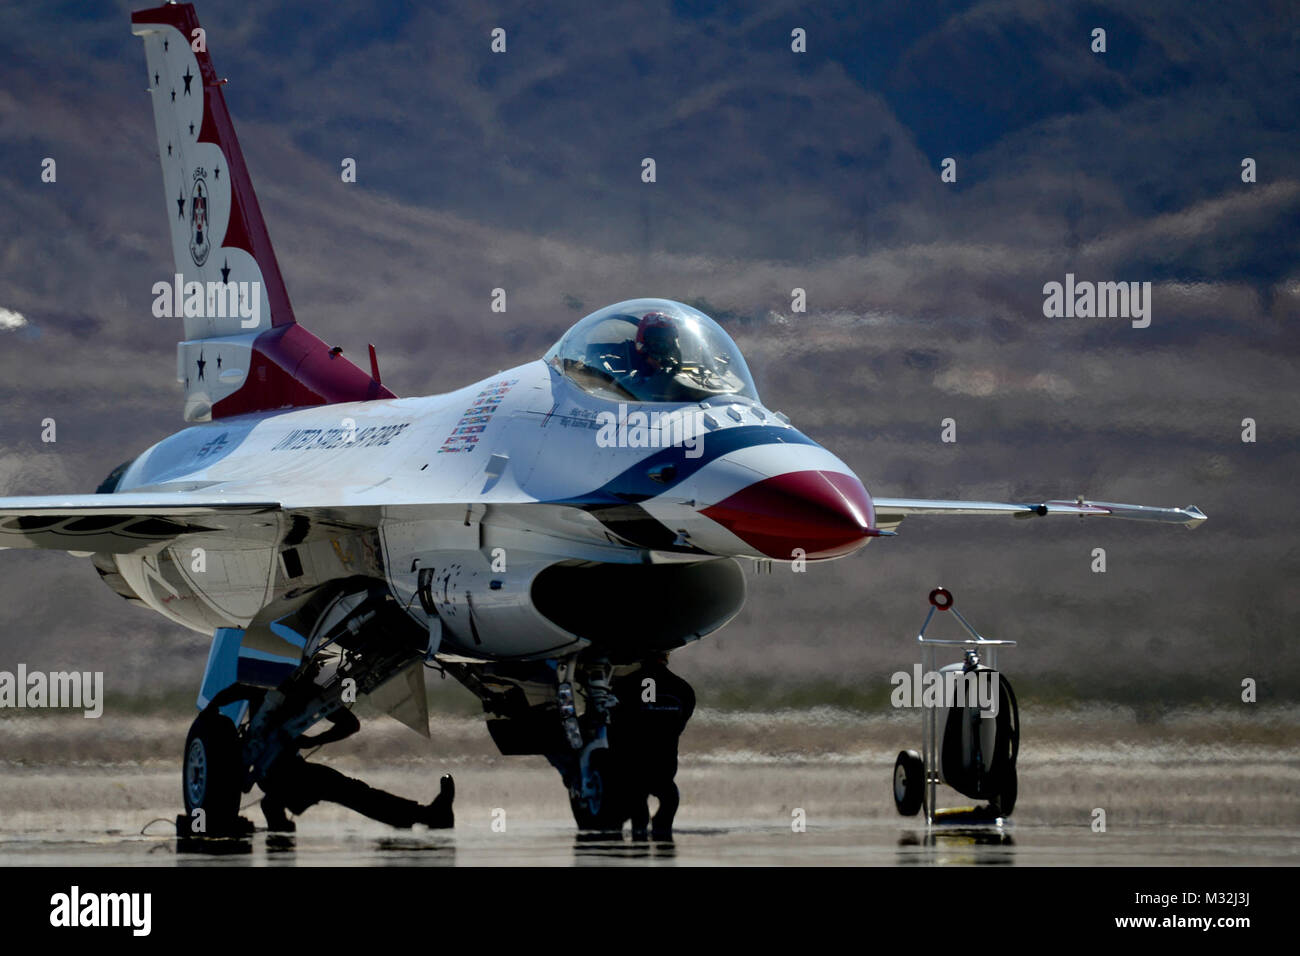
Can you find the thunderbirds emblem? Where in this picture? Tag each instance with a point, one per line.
(200, 240)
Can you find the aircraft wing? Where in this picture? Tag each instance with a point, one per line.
(115, 524)
(891, 511)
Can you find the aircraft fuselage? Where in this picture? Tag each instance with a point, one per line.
(497, 508)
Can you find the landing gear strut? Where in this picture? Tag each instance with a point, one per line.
(355, 641)
(589, 768)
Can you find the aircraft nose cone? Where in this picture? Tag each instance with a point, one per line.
(825, 513)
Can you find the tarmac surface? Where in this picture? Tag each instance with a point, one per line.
(554, 843)
(1182, 789)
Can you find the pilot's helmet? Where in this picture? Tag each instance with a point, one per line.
(656, 339)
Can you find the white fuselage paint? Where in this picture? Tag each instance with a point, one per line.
(503, 495)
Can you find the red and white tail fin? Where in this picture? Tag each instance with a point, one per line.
(242, 349)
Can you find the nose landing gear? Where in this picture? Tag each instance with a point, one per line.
(593, 777)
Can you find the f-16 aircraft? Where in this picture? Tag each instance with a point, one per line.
(335, 539)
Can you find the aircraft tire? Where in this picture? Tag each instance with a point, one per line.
(210, 774)
(604, 811)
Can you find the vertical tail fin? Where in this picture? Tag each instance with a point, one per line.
(242, 351)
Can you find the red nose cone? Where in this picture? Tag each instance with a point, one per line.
(824, 513)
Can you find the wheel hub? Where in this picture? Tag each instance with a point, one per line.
(196, 773)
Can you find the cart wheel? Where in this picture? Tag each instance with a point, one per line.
(909, 782)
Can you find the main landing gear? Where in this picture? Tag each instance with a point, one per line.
(251, 734)
(212, 775)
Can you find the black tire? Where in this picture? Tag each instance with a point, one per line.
(212, 773)
(605, 810)
(909, 782)
(1005, 801)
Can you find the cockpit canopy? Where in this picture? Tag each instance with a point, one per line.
(652, 350)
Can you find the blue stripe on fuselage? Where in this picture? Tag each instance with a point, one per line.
(635, 484)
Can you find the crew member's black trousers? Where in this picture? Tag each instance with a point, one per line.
(660, 785)
(295, 784)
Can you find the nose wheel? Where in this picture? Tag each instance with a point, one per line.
(596, 800)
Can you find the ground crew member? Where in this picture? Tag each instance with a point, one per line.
(293, 784)
(654, 706)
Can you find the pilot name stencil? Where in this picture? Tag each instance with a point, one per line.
(579, 418)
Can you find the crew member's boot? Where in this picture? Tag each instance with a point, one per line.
(661, 827)
(437, 815)
(276, 820)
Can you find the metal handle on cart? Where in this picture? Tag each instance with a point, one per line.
(941, 599)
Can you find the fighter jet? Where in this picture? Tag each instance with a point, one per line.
(319, 528)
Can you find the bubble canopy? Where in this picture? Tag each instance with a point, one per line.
(652, 350)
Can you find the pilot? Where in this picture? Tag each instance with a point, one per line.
(294, 784)
(656, 356)
(654, 706)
